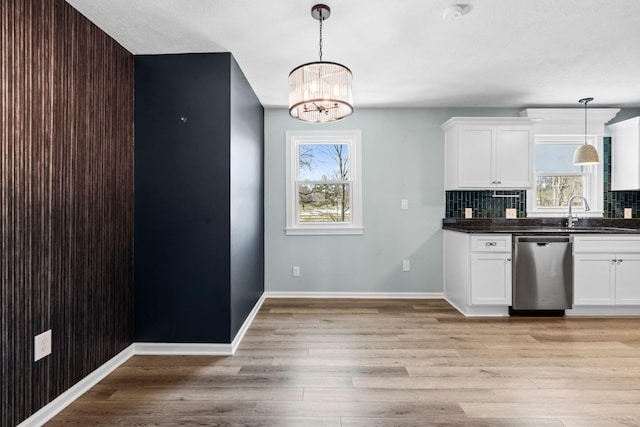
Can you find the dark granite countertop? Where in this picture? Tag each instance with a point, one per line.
(543, 225)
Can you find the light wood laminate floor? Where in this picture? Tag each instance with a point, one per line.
(384, 363)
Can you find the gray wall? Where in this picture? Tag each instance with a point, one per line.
(403, 158)
(402, 152)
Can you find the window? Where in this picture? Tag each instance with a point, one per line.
(324, 183)
(557, 179)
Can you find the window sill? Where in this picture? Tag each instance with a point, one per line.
(565, 212)
(323, 231)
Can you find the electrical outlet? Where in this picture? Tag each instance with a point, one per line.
(511, 213)
(404, 204)
(468, 213)
(627, 213)
(296, 271)
(406, 265)
(41, 345)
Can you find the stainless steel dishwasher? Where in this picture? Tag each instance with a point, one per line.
(542, 272)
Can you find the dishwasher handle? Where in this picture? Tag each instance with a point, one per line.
(542, 240)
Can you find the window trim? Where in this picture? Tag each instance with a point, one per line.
(593, 179)
(353, 139)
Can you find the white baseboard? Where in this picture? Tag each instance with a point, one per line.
(245, 326)
(480, 311)
(597, 310)
(139, 348)
(192, 349)
(358, 295)
(65, 399)
(181, 349)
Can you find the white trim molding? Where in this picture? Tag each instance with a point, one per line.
(182, 349)
(139, 348)
(68, 397)
(351, 138)
(206, 349)
(245, 326)
(358, 295)
(567, 121)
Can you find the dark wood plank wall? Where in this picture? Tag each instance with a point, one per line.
(66, 200)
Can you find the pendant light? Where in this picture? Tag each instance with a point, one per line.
(320, 92)
(586, 154)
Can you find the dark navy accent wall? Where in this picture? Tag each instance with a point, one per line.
(183, 197)
(247, 198)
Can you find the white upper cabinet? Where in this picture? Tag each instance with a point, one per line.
(625, 154)
(488, 153)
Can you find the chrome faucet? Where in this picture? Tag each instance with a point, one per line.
(570, 217)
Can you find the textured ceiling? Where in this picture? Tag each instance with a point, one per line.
(500, 53)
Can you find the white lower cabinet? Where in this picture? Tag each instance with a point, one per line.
(477, 273)
(627, 283)
(593, 279)
(491, 278)
(606, 270)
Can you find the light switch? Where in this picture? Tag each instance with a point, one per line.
(404, 204)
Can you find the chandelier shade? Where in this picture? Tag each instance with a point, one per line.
(320, 92)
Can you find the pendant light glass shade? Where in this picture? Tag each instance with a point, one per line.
(586, 154)
(320, 92)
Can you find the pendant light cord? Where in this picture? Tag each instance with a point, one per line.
(585, 101)
(585, 122)
(321, 19)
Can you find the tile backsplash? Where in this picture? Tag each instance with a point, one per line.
(485, 206)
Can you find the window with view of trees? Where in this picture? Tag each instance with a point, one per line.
(323, 183)
(557, 178)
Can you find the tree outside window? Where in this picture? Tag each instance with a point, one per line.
(323, 183)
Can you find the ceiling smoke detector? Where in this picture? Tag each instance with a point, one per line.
(453, 13)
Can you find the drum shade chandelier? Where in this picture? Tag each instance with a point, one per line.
(320, 92)
(586, 154)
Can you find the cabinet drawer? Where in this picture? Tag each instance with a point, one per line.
(491, 243)
(601, 244)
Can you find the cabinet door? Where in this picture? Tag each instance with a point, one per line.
(491, 279)
(625, 155)
(593, 279)
(475, 152)
(628, 279)
(513, 157)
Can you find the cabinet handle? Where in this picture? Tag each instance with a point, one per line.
(491, 244)
(613, 261)
(619, 261)
(508, 259)
(498, 182)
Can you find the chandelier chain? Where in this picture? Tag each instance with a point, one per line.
(321, 19)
